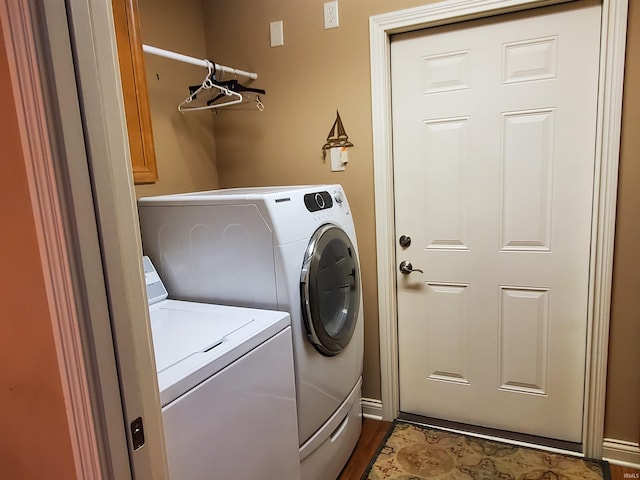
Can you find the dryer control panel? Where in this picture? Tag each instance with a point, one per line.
(318, 201)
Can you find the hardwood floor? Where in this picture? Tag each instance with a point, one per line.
(370, 439)
(373, 432)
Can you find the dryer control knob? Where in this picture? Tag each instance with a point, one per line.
(338, 198)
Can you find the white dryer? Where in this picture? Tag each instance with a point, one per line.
(226, 384)
(286, 248)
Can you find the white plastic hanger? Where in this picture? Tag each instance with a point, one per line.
(207, 84)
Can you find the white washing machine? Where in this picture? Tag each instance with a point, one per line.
(226, 385)
(286, 248)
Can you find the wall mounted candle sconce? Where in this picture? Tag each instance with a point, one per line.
(337, 144)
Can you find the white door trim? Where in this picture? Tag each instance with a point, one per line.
(101, 152)
(100, 94)
(612, 55)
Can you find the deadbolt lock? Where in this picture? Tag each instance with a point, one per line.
(405, 241)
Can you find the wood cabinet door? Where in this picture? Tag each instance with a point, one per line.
(134, 88)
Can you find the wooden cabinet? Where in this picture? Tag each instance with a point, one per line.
(134, 87)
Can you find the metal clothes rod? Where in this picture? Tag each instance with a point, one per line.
(196, 61)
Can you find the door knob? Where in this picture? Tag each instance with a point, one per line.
(406, 268)
(404, 240)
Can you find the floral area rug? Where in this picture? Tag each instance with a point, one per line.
(412, 452)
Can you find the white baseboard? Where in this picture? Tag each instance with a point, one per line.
(372, 408)
(620, 452)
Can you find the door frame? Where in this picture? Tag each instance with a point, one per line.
(610, 82)
(98, 90)
(81, 168)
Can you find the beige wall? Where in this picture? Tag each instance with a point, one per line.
(35, 440)
(317, 71)
(184, 143)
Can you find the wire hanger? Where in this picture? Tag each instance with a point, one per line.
(250, 102)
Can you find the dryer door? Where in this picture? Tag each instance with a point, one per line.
(330, 289)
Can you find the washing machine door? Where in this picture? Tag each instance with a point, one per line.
(330, 290)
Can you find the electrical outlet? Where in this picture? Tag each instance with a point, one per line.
(331, 15)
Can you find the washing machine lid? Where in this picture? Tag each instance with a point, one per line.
(193, 341)
(180, 331)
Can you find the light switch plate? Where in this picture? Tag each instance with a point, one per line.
(276, 33)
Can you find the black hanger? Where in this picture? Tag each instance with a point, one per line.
(235, 86)
(193, 89)
(238, 87)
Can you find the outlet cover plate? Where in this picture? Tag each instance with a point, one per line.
(331, 15)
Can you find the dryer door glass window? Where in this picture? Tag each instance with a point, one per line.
(330, 290)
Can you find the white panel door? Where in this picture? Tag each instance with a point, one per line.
(494, 136)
